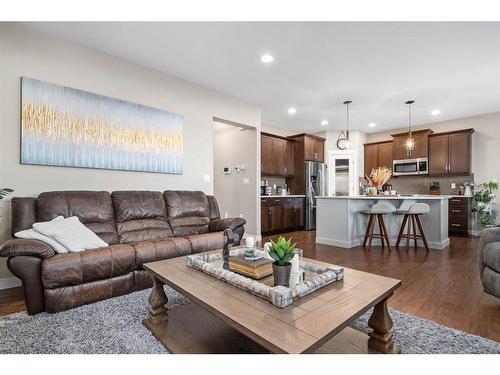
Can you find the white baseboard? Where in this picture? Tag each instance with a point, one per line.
(376, 242)
(337, 243)
(9, 282)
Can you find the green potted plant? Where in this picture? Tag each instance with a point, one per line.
(3, 193)
(482, 203)
(282, 251)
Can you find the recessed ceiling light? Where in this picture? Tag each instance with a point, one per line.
(292, 111)
(266, 59)
(435, 112)
(324, 122)
(372, 124)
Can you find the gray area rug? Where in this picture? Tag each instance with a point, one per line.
(115, 326)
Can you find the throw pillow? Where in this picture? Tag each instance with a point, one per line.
(34, 235)
(71, 233)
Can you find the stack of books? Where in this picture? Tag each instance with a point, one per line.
(256, 269)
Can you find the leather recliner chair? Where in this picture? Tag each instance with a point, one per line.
(488, 260)
(139, 226)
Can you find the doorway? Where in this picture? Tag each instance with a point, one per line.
(342, 173)
(235, 171)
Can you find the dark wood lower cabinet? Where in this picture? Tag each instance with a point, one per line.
(282, 214)
(459, 211)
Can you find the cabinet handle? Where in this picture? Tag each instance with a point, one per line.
(456, 225)
(456, 200)
(456, 210)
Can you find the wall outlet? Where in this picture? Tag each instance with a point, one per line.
(226, 215)
(453, 185)
(241, 216)
(246, 181)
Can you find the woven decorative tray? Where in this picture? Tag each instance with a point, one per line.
(311, 277)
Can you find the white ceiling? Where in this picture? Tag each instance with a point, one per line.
(454, 67)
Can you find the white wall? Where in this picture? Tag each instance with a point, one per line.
(278, 131)
(358, 138)
(485, 142)
(25, 53)
(233, 147)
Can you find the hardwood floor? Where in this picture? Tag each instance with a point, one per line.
(11, 301)
(442, 286)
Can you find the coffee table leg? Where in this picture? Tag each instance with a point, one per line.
(381, 338)
(157, 301)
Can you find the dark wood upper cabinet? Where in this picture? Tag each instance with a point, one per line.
(460, 153)
(314, 149)
(378, 155)
(399, 150)
(421, 150)
(319, 150)
(277, 156)
(385, 152)
(371, 158)
(438, 154)
(266, 152)
(450, 153)
(290, 158)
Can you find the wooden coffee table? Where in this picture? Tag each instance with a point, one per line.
(226, 319)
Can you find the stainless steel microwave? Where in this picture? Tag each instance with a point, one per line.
(408, 167)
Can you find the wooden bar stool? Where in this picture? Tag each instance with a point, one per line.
(376, 213)
(412, 218)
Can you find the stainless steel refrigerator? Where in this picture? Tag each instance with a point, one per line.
(316, 185)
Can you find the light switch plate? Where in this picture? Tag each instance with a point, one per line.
(206, 178)
(453, 185)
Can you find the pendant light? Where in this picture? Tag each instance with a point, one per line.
(344, 142)
(410, 142)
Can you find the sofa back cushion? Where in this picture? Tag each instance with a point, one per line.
(93, 208)
(213, 208)
(23, 214)
(188, 212)
(140, 216)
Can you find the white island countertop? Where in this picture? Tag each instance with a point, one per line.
(397, 197)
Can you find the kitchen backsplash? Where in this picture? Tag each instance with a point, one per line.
(420, 184)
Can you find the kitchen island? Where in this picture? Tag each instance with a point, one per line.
(340, 221)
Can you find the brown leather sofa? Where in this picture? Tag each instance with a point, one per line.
(139, 226)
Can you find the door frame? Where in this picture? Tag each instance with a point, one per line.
(351, 154)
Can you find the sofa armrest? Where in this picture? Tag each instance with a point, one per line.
(218, 225)
(488, 235)
(26, 247)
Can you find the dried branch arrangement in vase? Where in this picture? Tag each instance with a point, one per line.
(378, 177)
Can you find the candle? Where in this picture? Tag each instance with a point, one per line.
(295, 264)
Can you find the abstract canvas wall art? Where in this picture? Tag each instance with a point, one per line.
(61, 126)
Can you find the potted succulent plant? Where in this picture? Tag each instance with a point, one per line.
(282, 251)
